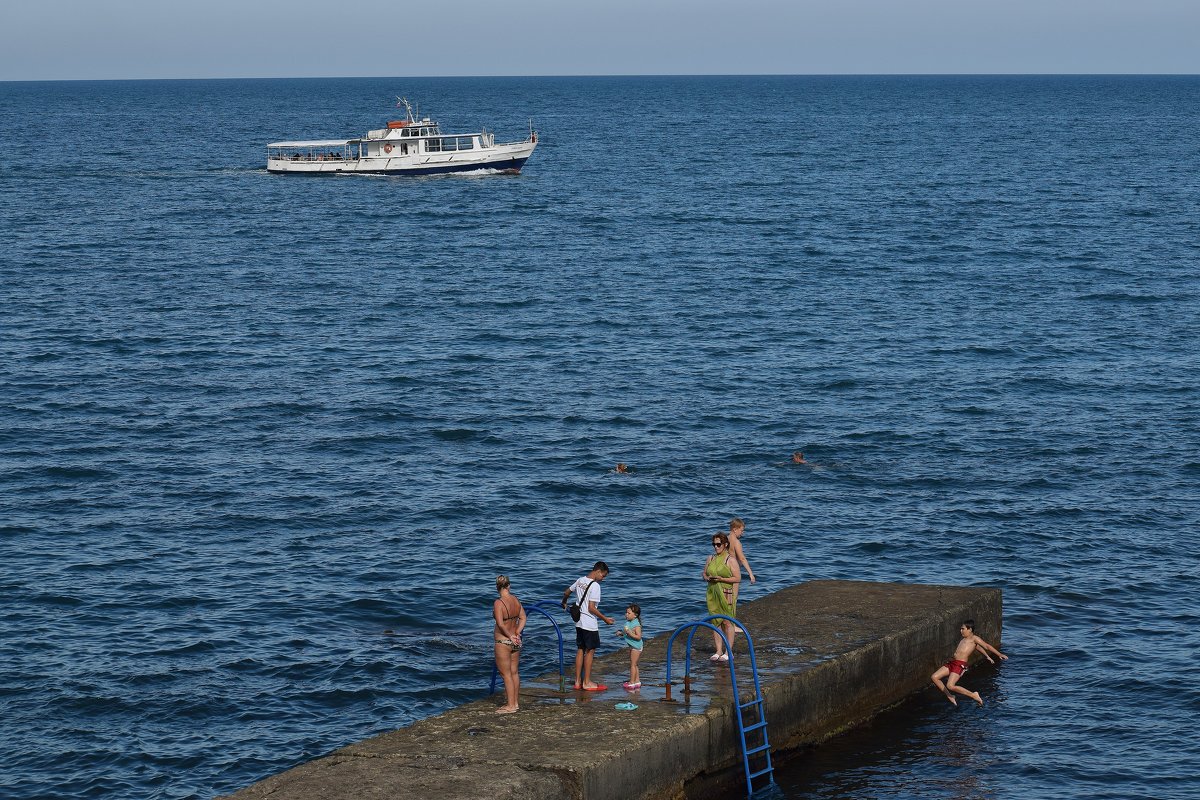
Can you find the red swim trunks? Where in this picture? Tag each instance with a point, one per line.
(956, 666)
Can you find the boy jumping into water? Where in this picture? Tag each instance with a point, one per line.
(956, 666)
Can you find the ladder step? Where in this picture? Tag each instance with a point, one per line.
(754, 750)
(751, 703)
(754, 775)
(754, 727)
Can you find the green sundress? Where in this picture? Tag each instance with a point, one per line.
(722, 597)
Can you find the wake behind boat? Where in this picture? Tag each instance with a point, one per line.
(405, 147)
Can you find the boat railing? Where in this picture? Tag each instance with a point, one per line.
(311, 156)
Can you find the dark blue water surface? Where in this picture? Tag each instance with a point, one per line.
(265, 441)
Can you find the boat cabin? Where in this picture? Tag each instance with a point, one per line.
(399, 138)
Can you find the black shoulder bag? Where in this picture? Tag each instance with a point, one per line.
(574, 610)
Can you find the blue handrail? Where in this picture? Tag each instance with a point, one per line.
(761, 725)
(539, 607)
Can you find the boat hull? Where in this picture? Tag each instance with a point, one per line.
(506, 158)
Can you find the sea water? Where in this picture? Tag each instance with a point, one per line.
(267, 440)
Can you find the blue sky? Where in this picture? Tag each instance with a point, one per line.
(70, 39)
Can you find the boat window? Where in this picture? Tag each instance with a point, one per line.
(449, 144)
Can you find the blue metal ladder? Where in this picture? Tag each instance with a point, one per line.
(540, 607)
(761, 752)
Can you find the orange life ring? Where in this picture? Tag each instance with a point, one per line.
(387, 148)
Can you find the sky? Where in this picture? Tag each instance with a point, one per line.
(131, 39)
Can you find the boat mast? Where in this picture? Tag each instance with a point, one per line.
(402, 102)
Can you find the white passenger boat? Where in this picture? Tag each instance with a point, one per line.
(405, 147)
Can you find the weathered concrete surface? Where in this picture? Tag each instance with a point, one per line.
(830, 654)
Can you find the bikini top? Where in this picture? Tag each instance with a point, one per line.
(514, 616)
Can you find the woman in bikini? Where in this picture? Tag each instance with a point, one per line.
(722, 574)
(510, 621)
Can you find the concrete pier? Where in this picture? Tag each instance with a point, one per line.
(831, 654)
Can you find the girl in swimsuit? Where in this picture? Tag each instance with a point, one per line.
(510, 622)
(631, 634)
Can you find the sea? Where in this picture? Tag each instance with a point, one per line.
(266, 441)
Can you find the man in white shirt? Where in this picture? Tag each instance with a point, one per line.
(587, 629)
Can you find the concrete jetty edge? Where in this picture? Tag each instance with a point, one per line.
(831, 654)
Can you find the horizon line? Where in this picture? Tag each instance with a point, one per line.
(631, 75)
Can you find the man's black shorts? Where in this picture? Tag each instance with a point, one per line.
(586, 640)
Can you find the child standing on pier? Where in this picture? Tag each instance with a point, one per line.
(631, 634)
(955, 667)
(737, 529)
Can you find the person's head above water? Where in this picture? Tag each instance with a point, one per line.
(622, 467)
(797, 457)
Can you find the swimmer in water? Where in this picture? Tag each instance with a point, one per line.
(798, 458)
(622, 468)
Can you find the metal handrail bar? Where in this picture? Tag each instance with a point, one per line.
(540, 605)
(765, 749)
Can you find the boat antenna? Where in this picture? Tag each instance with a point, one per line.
(402, 102)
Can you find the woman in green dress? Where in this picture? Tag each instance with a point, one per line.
(723, 575)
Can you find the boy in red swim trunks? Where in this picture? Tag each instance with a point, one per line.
(955, 667)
